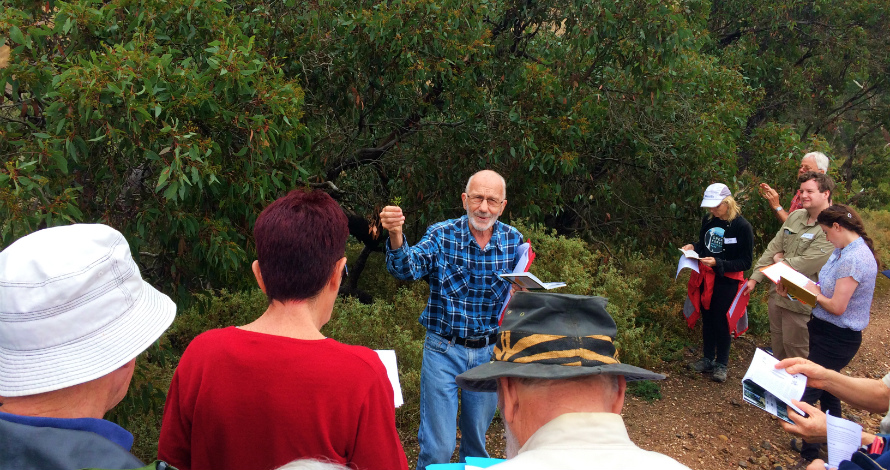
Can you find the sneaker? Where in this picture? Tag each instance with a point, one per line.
(719, 374)
(702, 365)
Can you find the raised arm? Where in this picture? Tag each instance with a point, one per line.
(403, 261)
(772, 197)
(867, 394)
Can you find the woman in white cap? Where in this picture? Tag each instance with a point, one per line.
(725, 248)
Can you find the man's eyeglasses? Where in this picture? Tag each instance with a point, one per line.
(492, 202)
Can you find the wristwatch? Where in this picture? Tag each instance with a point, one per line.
(778, 208)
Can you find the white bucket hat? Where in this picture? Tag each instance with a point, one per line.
(73, 308)
(715, 194)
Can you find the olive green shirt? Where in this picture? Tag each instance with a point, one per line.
(806, 250)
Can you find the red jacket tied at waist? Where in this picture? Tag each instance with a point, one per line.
(702, 297)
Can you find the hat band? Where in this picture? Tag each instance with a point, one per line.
(535, 348)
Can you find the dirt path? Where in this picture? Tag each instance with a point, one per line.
(706, 425)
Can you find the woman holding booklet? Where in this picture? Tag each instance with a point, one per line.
(725, 249)
(843, 302)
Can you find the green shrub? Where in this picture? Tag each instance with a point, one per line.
(645, 389)
(877, 225)
(215, 310)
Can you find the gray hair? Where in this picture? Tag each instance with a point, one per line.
(503, 181)
(312, 464)
(820, 158)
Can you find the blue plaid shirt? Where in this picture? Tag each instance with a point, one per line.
(466, 293)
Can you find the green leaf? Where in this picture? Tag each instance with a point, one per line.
(170, 193)
(165, 175)
(16, 35)
(61, 162)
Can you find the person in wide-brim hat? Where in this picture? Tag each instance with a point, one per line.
(561, 386)
(553, 336)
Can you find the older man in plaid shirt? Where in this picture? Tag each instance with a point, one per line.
(462, 258)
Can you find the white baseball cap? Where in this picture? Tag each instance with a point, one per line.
(715, 194)
(73, 308)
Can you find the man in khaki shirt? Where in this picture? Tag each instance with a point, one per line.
(801, 244)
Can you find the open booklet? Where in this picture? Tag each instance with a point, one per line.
(689, 253)
(524, 257)
(793, 280)
(772, 389)
(530, 281)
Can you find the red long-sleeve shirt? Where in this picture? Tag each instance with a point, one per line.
(249, 400)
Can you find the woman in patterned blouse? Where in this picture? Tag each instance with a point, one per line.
(843, 302)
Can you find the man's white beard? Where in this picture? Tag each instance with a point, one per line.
(512, 443)
(482, 228)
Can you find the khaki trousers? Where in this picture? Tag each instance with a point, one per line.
(788, 332)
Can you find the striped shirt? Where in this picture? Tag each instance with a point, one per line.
(466, 294)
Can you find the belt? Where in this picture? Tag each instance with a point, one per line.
(475, 342)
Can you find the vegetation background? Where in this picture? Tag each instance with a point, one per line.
(177, 121)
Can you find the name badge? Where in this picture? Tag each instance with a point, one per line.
(808, 236)
(729, 241)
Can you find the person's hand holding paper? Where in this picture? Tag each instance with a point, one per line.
(811, 427)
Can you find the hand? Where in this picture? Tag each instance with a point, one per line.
(818, 464)
(749, 287)
(688, 247)
(392, 219)
(781, 290)
(770, 195)
(709, 261)
(814, 288)
(813, 428)
(778, 257)
(817, 376)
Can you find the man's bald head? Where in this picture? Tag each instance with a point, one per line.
(488, 178)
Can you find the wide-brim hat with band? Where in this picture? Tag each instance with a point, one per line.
(73, 308)
(715, 194)
(553, 336)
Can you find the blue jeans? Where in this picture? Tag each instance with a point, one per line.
(442, 362)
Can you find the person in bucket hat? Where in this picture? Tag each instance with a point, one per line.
(561, 387)
(74, 314)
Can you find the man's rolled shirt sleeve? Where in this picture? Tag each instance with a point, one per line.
(410, 263)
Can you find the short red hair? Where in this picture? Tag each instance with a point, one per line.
(299, 239)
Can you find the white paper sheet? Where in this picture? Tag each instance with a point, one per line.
(530, 281)
(686, 263)
(784, 386)
(521, 258)
(388, 358)
(780, 270)
(689, 253)
(844, 438)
